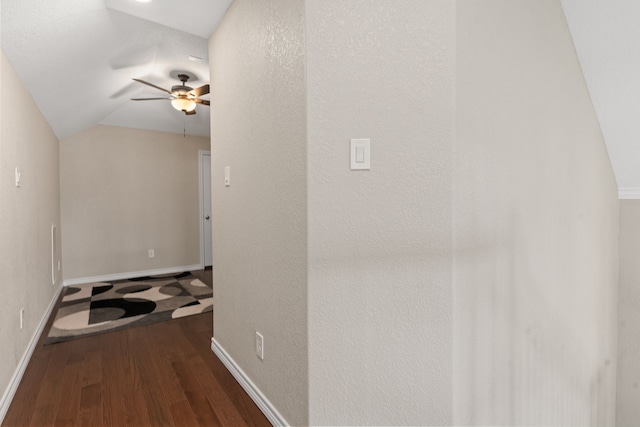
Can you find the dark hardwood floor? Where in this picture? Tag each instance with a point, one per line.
(163, 374)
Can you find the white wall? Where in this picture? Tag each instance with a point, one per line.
(258, 118)
(628, 378)
(26, 216)
(380, 324)
(125, 191)
(535, 225)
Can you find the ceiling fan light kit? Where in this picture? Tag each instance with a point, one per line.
(183, 104)
(183, 98)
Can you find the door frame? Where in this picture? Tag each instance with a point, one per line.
(201, 154)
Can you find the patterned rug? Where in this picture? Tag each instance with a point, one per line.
(96, 308)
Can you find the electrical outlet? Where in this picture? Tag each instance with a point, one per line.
(21, 318)
(260, 345)
(152, 253)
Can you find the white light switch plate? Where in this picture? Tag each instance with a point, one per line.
(260, 345)
(361, 154)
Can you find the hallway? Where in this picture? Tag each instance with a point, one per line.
(160, 374)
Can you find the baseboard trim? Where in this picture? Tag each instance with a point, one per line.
(10, 392)
(130, 275)
(629, 193)
(252, 390)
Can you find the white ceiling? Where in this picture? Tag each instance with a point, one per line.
(198, 17)
(77, 59)
(606, 35)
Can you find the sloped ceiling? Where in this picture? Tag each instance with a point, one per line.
(606, 35)
(77, 59)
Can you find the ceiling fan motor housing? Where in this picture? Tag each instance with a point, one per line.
(180, 90)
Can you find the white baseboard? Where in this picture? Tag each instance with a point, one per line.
(130, 275)
(10, 392)
(252, 390)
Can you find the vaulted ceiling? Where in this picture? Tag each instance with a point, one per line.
(77, 59)
(606, 35)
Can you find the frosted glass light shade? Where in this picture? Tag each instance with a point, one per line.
(183, 104)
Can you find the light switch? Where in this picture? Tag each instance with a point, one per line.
(360, 154)
(18, 176)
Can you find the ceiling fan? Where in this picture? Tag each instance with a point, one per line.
(183, 98)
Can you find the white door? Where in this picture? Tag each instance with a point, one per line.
(206, 207)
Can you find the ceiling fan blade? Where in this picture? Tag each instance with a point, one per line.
(202, 90)
(148, 99)
(152, 85)
(202, 101)
(190, 113)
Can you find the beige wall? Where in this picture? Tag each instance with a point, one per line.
(258, 129)
(125, 191)
(469, 277)
(535, 225)
(26, 216)
(379, 241)
(628, 379)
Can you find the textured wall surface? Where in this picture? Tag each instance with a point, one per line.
(468, 278)
(628, 379)
(125, 191)
(258, 119)
(26, 216)
(536, 225)
(380, 323)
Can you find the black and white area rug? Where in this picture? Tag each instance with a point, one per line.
(96, 308)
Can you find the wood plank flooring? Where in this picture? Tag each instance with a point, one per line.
(163, 374)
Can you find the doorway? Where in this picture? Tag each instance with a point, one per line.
(204, 167)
